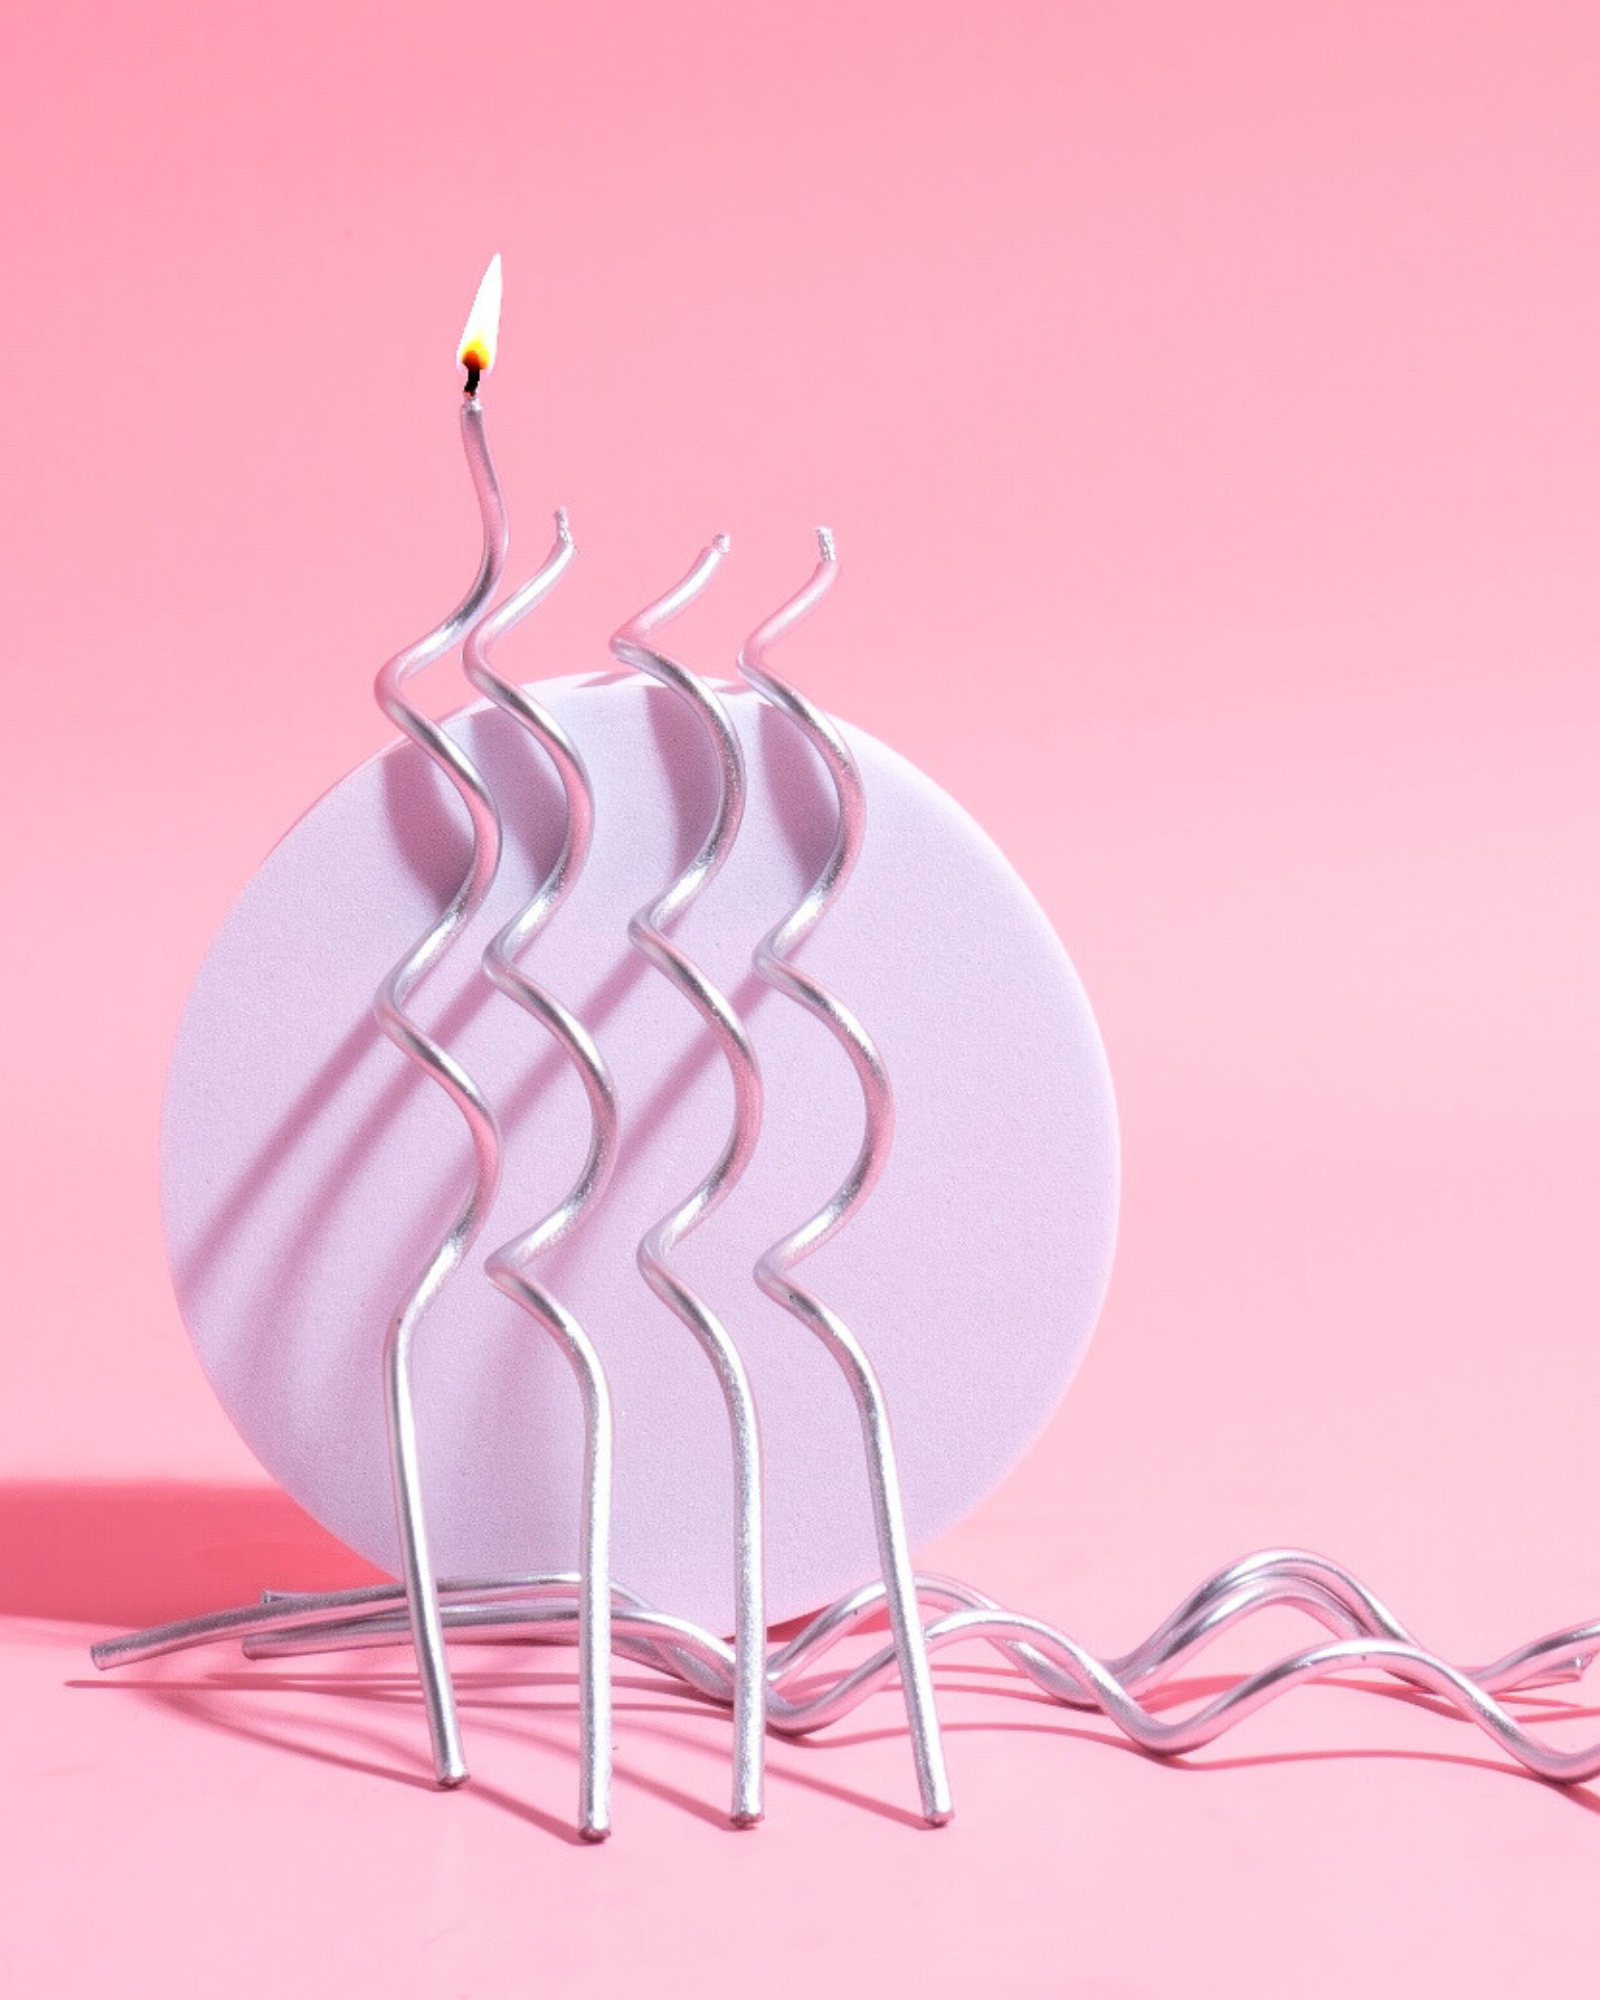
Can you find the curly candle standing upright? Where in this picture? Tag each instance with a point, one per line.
(508, 1267)
(772, 1273)
(416, 1563)
(648, 932)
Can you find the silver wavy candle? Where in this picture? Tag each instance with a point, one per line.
(774, 1273)
(389, 1007)
(1365, 1635)
(649, 932)
(789, 1689)
(510, 1266)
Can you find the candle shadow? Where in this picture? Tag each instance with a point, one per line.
(418, 810)
(426, 825)
(433, 844)
(112, 1555)
(516, 1704)
(121, 1554)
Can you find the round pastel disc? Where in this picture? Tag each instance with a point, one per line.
(308, 1171)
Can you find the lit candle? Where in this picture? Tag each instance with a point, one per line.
(476, 355)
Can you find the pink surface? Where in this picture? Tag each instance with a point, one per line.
(308, 1174)
(1219, 385)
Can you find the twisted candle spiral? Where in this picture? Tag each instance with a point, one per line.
(773, 960)
(509, 1266)
(648, 932)
(416, 1565)
(791, 1689)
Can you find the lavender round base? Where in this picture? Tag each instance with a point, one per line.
(307, 1171)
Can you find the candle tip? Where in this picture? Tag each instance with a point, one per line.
(825, 544)
(722, 543)
(563, 526)
(482, 331)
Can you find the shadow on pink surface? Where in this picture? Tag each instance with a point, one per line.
(369, 1723)
(126, 1554)
(116, 1555)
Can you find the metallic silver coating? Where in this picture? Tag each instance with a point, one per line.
(648, 933)
(1365, 1635)
(792, 1688)
(773, 961)
(508, 1267)
(389, 1006)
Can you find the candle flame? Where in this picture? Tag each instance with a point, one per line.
(476, 352)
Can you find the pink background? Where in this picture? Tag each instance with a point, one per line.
(1212, 395)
